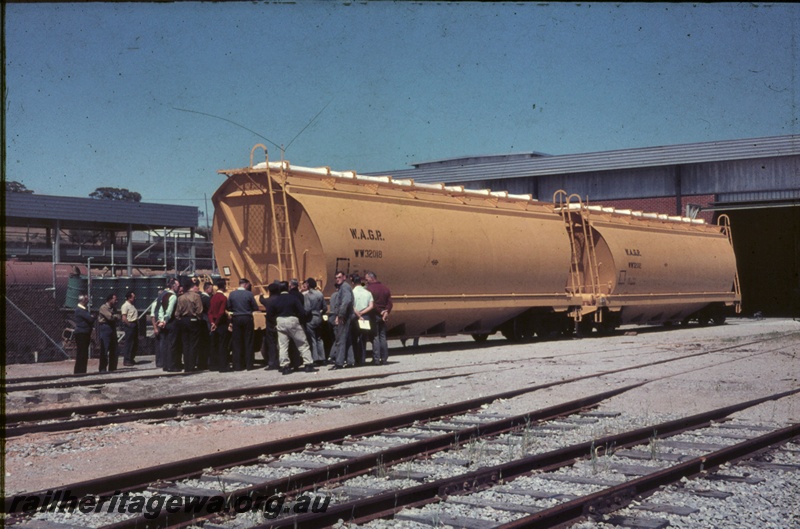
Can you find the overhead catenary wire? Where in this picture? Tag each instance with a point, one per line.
(281, 147)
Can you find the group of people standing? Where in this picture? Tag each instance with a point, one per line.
(182, 318)
(359, 314)
(296, 314)
(108, 319)
(203, 328)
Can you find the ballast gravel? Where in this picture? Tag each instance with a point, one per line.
(754, 358)
(770, 504)
(440, 513)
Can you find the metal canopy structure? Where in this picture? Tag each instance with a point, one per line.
(58, 213)
(29, 209)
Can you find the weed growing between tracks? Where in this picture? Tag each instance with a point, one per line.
(595, 455)
(654, 446)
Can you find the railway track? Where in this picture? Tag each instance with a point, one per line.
(185, 478)
(199, 404)
(252, 454)
(93, 379)
(429, 467)
(67, 381)
(579, 491)
(194, 405)
(90, 379)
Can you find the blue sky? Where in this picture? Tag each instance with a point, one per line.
(100, 94)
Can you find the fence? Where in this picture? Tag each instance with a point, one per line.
(34, 326)
(38, 330)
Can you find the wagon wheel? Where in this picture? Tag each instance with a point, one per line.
(547, 327)
(611, 321)
(718, 315)
(517, 330)
(585, 326)
(606, 328)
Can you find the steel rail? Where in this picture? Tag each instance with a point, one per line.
(106, 407)
(12, 429)
(131, 480)
(84, 379)
(352, 467)
(187, 468)
(18, 384)
(620, 496)
(391, 502)
(63, 413)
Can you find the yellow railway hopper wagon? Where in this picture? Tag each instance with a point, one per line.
(456, 260)
(648, 268)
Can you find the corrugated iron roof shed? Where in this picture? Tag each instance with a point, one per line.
(691, 153)
(31, 207)
(480, 158)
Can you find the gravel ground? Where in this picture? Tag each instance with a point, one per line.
(767, 500)
(741, 371)
(769, 504)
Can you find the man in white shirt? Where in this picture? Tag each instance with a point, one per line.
(362, 306)
(130, 324)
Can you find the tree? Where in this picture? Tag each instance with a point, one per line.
(17, 187)
(116, 193)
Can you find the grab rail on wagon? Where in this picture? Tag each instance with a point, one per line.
(724, 222)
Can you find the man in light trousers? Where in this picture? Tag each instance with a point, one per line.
(288, 311)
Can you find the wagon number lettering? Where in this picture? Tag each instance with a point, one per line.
(369, 235)
(633, 252)
(369, 254)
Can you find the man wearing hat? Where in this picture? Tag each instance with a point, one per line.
(241, 305)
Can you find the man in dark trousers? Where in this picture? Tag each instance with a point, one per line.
(168, 328)
(315, 305)
(161, 342)
(219, 357)
(342, 314)
(84, 321)
(242, 305)
(287, 310)
(382, 299)
(204, 346)
(269, 347)
(130, 324)
(189, 313)
(107, 319)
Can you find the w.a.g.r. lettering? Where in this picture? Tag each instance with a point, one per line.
(366, 234)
